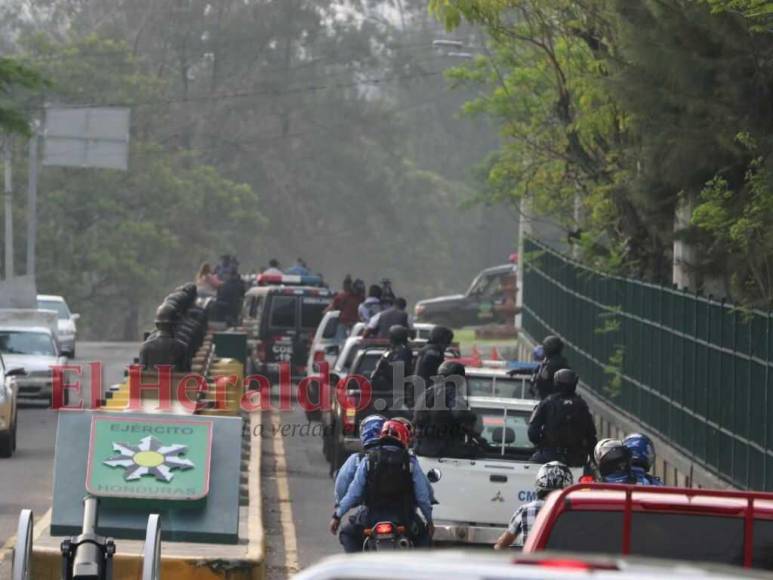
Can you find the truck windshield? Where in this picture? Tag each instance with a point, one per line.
(505, 429)
(31, 343)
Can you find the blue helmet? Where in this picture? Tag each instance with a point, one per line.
(642, 450)
(370, 429)
(539, 353)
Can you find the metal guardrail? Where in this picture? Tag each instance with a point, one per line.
(697, 371)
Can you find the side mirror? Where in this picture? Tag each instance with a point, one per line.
(16, 372)
(75, 317)
(434, 475)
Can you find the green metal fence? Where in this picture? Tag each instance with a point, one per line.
(696, 371)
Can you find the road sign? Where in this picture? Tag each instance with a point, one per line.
(86, 137)
(165, 459)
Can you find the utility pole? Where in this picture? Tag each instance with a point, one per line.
(32, 202)
(9, 270)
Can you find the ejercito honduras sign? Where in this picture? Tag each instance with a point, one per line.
(160, 459)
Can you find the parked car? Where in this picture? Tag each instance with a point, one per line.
(490, 298)
(477, 496)
(27, 341)
(66, 330)
(479, 565)
(8, 408)
(280, 316)
(703, 525)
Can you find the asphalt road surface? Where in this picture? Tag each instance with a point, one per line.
(25, 478)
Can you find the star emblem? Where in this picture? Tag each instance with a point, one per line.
(150, 457)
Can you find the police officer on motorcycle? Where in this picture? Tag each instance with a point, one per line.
(561, 426)
(370, 434)
(642, 458)
(391, 485)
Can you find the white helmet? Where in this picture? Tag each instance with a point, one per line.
(554, 475)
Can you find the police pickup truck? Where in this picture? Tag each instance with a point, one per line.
(476, 497)
(280, 316)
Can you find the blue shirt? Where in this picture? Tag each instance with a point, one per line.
(644, 478)
(422, 490)
(346, 476)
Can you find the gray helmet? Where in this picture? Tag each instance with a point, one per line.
(566, 380)
(554, 475)
(552, 345)
(398, 334)
(451, 368)
(612, 457)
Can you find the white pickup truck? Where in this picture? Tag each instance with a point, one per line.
(477, 497)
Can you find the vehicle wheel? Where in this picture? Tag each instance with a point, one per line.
(6, 443)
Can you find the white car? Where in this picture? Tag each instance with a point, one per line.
(8, 410)
(27, 342)
(327, 342)
(65, 322)
(476, 497)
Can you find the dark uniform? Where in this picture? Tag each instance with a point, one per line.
(554, 361)
(561, 426)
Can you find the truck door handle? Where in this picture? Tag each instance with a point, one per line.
(498, 478)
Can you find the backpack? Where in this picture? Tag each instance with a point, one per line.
(390, 481)
(565, 424)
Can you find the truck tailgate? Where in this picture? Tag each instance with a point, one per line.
(480, 491)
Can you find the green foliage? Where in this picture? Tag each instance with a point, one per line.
(15, 76)
(613, 113)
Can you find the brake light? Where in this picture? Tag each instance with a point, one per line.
(384, 528)
(350, 414)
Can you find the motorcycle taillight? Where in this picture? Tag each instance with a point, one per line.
(384, 528)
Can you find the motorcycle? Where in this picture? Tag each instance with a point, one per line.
(385, 536)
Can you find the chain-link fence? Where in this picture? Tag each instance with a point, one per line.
(697, 371)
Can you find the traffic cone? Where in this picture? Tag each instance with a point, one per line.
(495, 354)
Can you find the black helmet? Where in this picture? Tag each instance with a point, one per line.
(612, 457)
(552, 345)
(398, 334)
(566, 380)
(166, 313)
(441, 335)
(451, 368)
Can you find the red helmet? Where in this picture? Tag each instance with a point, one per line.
(396, 430)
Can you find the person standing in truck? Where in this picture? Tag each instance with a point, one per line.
(346, 302)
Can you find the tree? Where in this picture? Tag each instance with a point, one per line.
(14, 76)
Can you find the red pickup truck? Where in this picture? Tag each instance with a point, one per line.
(728, 527)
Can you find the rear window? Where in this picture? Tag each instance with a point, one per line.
(688, 537)
(283, 312)
(655, 534)
(505, 429)
(312, 310)
(587, 531)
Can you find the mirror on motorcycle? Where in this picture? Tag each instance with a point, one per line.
(434, 475)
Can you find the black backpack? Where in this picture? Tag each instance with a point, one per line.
(565, 423)
(389, 482)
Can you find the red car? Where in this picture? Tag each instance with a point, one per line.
(728, 527)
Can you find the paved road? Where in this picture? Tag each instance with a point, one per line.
(25, 479)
